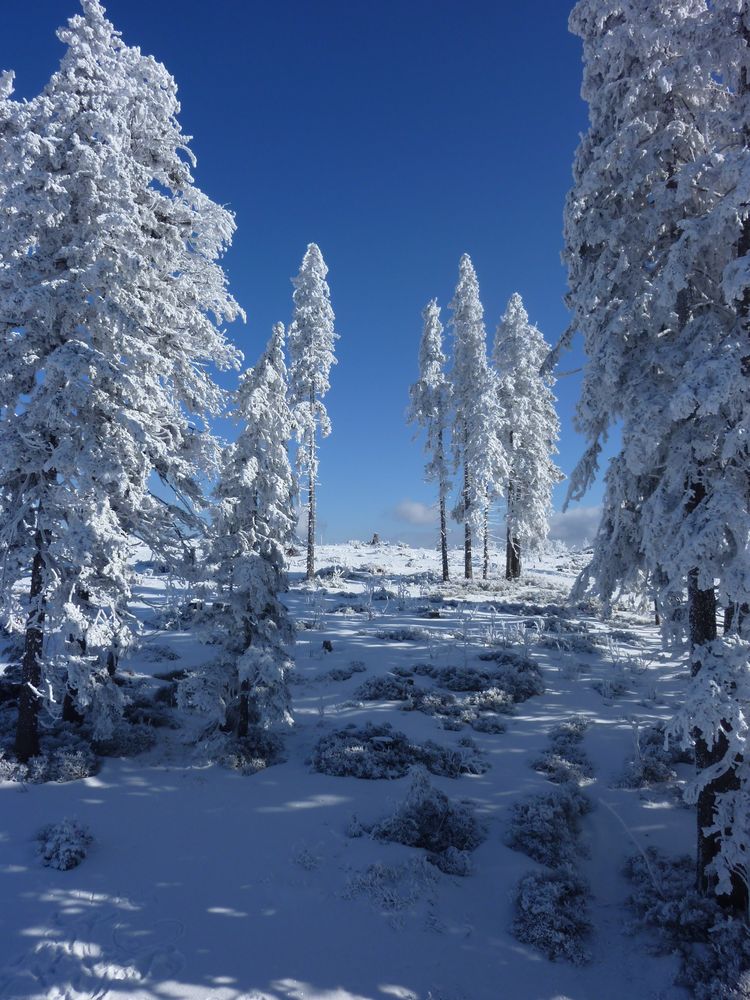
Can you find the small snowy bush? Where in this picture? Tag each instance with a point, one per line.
(546, 826)
(713, 946)
(428, 819)
(384, 688)
(653, 762)
(347, 672)
(551, 915)
(403, 633)
(382, 752)
(565, 759)
(252, 753)
(64, 845)
(66, 763)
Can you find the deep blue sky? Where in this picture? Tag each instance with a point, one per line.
(396, 135)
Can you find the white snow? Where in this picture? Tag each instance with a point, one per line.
(202, 884)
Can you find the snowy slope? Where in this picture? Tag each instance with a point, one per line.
(203, 884)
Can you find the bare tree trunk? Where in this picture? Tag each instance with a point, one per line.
(444, 539)
(29, 702)
(468, 571)
(486, 528)
(702, 620)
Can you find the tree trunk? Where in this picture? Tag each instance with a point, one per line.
(29, 702)
(468, 571)
(311, 508)
(486, 558)
(443, 520)
(702, 622)
(512, 557)
(444, 539)
(512, 544)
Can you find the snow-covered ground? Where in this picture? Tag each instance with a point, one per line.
(204, 884)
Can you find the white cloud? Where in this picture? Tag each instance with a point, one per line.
(414, 512)
(576, 526)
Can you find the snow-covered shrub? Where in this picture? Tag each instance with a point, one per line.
(127, 740)
(428, 819)
(488, 724)
(379, 751)
(403, 633)
(64, 763)
(387, 687)
(565, 760)
(517, 675)
(610, 687)
(546, 826)
(64, 845)
(713, 946)
(551, 914)
(653, 761)
(392, 888)
(252, 753)
(345, 673)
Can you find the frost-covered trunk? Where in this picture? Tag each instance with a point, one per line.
(443, 517)
(468, 572)
(29, 701)
(311, 501)
(512, 544)
(444, 539)
(702, 610)
(486, 534)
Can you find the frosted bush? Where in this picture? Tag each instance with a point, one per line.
(64, 845)
(379, 751)
(565, 760)
(428, 819)
(252, 753)
(653, 762)
(714, 947)
(551, 915)
(384, 688)
(347, 672)
(546, 826)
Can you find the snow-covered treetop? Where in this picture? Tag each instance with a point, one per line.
(311, 342)
(431, 394)
(476, 423)
(530, 426)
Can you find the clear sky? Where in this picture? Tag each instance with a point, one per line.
(396, 135)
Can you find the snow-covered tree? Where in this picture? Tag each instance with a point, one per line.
(112, 299)
(430, 408)
(311, 344)
(530, 430)
(477, 448)
(658, 267)
(252, 526)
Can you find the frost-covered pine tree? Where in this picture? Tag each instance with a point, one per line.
(654, 233)
(112, 301)
(530, 431)
(430, 408)
(252, 526)
(477, 448)
(311, 344)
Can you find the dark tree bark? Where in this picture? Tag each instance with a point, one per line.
(468, 570)
(444, 539)
(702, 610)
(443, 519)
(29, 702)
(512, 545)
